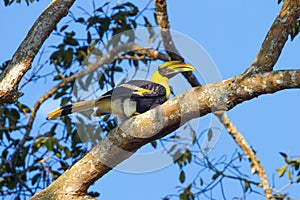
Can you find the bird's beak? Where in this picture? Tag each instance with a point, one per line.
(171, 68)
(179, 67)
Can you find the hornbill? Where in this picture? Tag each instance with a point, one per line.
(133, 97)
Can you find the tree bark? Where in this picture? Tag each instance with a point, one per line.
(23, 57)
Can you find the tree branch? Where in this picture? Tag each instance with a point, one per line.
(23, 57)
(169, 45)
(153, 54)
(276, 38)
(256, 166)
(124, 140)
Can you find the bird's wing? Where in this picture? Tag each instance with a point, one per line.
(135, 96)
(140, 89)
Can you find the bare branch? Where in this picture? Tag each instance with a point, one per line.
(23, 57)
(164, 25)
(256, 166)
(124, 140)
(276, 38)
(153, 54)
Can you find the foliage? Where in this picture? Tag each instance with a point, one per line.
(295, 30)
(10, 2)
(291, 170)
(52, 148)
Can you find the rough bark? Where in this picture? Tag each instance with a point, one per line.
(23, 57)
(276, 38)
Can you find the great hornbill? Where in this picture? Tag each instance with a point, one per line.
(133, 97)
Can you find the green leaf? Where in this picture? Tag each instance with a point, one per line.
(89, 37)
(59, 94)
(298, 179)
(89, 80)
(286, 159)
(65, 100)
(283, 154)
(80, 20)
(11, 183)
(154, 144)
(68, 57)
(57, 153)
(6, 2)
(23, 108)
(295, 30)
(37, 144)
(118, 69)
(182, 177)
(240, 156)
(289, 175)
(118, 7)
(49, 144)
(188, 155)
(94, 194)
(210, 134)
(282, 170)
(279, 196)
(246, 185)
(101, 81)
(183, 196)
(216, 175)
(63, 28)
(64, 165)
(201, 181)
(173, 147)
(176, 156)
(67, 152)
(71, 41)
(35, 178)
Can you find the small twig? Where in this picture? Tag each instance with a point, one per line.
(148, 53)
(153, 54)
(143, 10)
(12, 128)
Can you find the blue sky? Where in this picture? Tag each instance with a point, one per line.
(231, 32)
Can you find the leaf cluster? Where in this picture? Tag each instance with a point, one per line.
(10, 2)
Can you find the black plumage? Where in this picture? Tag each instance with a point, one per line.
(129, 92)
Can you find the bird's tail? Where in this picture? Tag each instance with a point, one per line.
(75, 107)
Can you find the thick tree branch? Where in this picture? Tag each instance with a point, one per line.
(276, 38)
(124, 140)
(23, 57)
